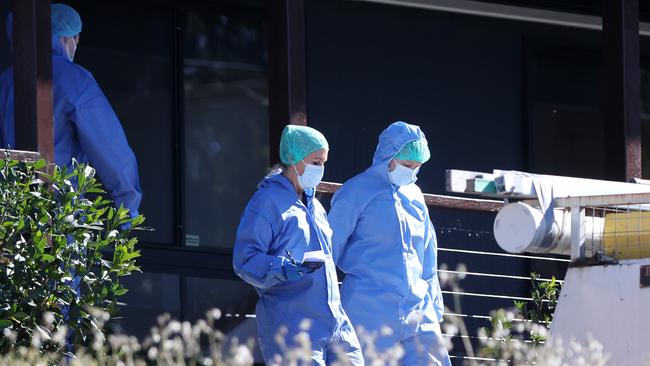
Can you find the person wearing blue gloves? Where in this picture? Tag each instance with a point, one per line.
(385, 244)
(85, 127)
(281, 224)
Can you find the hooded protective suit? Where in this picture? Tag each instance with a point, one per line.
(384, 242)
(274, 222)
(85, 127)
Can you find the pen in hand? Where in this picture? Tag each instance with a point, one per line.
(290, 257)
(293, 261)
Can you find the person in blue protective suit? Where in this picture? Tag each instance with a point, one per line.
(281, 223)
(385, 244)
(85, 127)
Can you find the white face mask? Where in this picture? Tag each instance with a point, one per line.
(401, 175)
(312, 175)
(70, 47)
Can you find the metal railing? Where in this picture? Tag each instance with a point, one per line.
(435, 200)
(609, 227)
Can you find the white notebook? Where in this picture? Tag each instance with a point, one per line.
(313, 259)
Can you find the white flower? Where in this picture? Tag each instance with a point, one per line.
(89, 172)
(450, 329)
(443, 277)
(242, 356)
(519, 327)
(462, 269)
(48, 318)
(152, 353)
(214, 314)
(305, 324)
(174, 326)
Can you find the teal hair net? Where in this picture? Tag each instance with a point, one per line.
(299, 141)
(66, 22)
(416, 150)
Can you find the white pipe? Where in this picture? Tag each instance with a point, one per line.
(519, 228)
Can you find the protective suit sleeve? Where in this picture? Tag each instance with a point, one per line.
(430, 269)
(250, 259)
(343, 220)
(103, 140)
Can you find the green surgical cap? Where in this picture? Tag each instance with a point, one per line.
(299, 141)
(66, 22)
(416, 150)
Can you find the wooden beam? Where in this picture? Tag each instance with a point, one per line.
(20, 155)
(287, 70)
(621, 88)
(44, 97)
(434, 200)
(32, 65)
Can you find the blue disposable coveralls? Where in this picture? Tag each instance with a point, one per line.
(385, 244)
(85, 127)
(276, 220)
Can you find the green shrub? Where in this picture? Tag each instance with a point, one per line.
(53, 234)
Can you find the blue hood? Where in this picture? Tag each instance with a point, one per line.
(57, 46)
(391, 141)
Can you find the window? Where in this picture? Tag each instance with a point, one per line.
(189, 85)
(5, 55)
(566, 127)
(226, 120)
(133, 64)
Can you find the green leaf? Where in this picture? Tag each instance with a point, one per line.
(20, 316)
(121, 291)
(40, 163)
(129, 256)
(4, 323)
(47, 258)
(138, 220)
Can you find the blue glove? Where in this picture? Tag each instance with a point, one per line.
(293, 271)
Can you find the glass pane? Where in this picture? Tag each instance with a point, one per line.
(5, 53)
(236, 300)
(566, 126)
(6, 94)
(226, 120)
(132, 64)
(150, 295)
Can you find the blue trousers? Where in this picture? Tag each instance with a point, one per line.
(425, 349)
(324, 352)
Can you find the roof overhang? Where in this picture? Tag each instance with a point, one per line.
(511, 12)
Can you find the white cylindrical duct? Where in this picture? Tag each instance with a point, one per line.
(520, 228)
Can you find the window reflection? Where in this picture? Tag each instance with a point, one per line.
(132, 63)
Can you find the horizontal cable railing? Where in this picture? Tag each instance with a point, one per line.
(523, 256)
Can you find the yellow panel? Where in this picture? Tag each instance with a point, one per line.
(627, 235)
